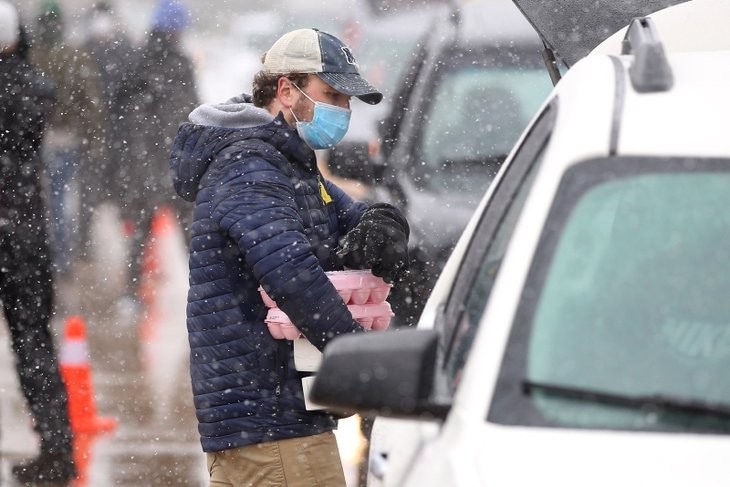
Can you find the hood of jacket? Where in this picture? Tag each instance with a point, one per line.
(213, 128)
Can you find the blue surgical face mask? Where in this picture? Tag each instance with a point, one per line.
(329, 124)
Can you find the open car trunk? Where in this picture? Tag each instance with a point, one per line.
(572, 28)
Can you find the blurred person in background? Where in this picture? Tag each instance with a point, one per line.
(155, 97)
(113, 54)
(264, 216)
(26, 287)
(72, 147)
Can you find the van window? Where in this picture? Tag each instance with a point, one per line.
(482, 260)
(631, 326)
(481, 289)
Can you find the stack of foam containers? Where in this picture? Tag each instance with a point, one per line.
(364, 295)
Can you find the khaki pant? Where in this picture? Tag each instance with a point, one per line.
(309, 461)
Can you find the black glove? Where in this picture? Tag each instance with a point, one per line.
(378, 242)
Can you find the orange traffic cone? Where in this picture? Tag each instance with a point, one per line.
(76, 374)
(82, 448)
(162, 225)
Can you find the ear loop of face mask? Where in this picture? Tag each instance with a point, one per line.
(308, 98)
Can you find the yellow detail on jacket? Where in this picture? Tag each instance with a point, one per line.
(324, 194)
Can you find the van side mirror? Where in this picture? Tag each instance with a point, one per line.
(388, 373)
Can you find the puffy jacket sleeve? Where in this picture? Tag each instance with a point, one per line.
(255, 205)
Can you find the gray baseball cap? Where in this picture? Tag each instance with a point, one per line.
(314, 51)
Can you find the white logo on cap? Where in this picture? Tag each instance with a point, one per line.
(349, 57)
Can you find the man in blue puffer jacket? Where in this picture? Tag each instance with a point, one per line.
(265, 216)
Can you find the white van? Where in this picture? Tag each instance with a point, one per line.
(580, 332)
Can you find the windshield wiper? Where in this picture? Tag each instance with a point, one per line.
(659, 401)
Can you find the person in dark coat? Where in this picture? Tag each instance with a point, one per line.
(72, 146)
(26, 288)
(264, 216)
(113, 55)
(158, 93)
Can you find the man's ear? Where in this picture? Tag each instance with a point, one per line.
(285, 92)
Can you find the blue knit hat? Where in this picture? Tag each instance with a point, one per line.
(171, 16)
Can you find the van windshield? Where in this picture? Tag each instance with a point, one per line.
(634, 300)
